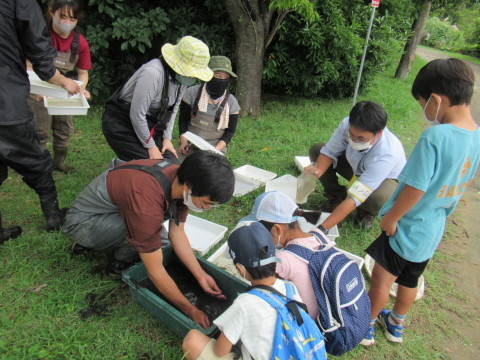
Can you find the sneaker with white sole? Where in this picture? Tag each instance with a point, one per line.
(392, 332)
(369, 339)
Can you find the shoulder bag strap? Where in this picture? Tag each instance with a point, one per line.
(75, 46)
(197, 99)
(221, 107)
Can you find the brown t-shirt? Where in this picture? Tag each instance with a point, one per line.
(142, 203)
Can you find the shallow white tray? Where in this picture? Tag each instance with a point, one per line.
(286, 184)
(255, 173)
(302, 162)
(244, 184)
(359, 260)
(306, 226)
(369, 263)
(76, 105)
(200, 143)
(202, 234)
(40, 87)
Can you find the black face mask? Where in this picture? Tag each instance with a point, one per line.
(216, 87)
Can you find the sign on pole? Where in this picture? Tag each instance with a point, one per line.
(375, 4)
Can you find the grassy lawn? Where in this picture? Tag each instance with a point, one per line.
(472, 59)
(54, 305)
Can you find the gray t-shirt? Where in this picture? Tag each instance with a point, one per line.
(144, 92)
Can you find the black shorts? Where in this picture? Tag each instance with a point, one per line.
(407, 272)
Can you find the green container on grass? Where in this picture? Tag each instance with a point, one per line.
(166, 313)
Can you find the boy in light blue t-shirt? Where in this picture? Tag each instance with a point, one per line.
(441, 166)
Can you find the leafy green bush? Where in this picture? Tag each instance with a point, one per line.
(307, 59)
(442, 35)
(323, 58)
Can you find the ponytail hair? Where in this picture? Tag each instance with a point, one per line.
(311, 216)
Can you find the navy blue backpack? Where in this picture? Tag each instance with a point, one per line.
(344, 305)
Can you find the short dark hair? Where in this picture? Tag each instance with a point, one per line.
(208, 174)
(264, 271)
(453, 78)
(368, 116)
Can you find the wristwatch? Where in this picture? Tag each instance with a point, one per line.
(323, 229)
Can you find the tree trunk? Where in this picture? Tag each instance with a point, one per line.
(408, 56)
(247, 21)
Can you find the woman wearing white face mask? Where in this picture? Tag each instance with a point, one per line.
(73, 60)
(368, 155)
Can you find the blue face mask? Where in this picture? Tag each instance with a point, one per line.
(185, 80)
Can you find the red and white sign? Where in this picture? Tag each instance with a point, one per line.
(375, 3)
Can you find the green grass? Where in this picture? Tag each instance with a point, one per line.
(472, 59)
(45, 289)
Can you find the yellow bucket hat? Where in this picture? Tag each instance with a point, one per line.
(189, 58)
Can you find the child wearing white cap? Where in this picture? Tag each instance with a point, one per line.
(279, 214)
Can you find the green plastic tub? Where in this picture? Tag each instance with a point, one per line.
(166, 313)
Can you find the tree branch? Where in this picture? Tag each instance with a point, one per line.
(275, 27)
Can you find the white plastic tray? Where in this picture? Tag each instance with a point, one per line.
(76, 105)
(302, 162)
(201, 233)
(359, 260)
(249, 178)
(306, 226)
(286, 184)
(255, 173)
(40, 87)
(244, 184)
(369, 263)
(200, 143)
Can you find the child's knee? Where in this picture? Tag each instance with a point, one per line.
(189, 341)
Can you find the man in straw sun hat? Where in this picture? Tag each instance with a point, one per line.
(140, 115)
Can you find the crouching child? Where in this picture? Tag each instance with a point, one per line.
(258, 318)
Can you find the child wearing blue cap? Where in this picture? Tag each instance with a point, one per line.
(250, 319)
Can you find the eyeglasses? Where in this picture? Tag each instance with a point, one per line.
(207, 206)
(358, 139)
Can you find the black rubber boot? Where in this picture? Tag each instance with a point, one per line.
(8, 233)
(59, 155)
(53, 215)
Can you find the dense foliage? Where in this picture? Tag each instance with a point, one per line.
(320, 58)
(465, 16)
(441, 34)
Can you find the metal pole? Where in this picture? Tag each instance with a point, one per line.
(363, 56)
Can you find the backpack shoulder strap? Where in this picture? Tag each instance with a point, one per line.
(300, 251)
(221, 107)
(322, 238)
(197, 99)
(279, 301)
(75, 46)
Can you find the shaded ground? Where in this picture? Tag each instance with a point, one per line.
(465, 250)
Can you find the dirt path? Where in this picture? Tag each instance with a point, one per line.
(465, 269)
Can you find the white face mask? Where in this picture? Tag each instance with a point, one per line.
(64, 27)
(278, 245)
(187, 200)
(360, 145)
(433, 122)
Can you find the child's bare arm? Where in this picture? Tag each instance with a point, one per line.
(222, 346)
(407, 199)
